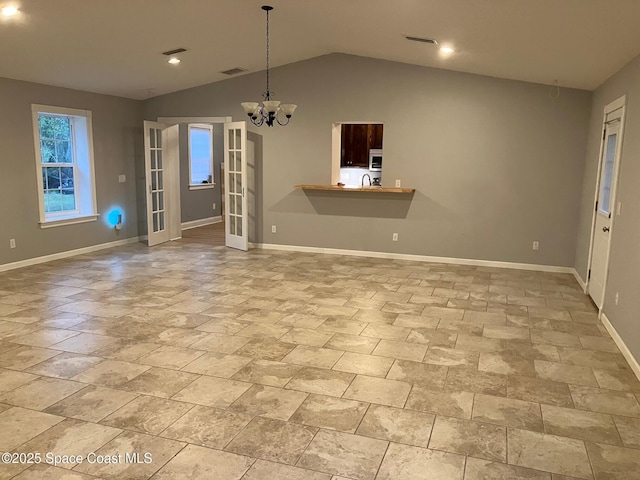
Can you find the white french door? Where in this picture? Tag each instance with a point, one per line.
(157, 222)
(235, 195)
(605, 206)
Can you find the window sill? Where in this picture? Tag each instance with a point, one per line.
(202, 186)
(59, 222)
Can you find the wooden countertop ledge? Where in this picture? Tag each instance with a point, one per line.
(336, 188)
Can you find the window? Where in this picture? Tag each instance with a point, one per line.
(64, 161)
(604, 204)
(200, 156)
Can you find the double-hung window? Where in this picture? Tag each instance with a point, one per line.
(200, 156)
(64, 165)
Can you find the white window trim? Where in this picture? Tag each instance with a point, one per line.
(59, 222)
(88, 215)
(201, 186)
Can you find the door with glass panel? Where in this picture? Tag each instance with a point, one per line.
(605, 205)
(235, 195)
(157, 221)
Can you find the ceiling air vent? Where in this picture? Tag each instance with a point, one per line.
(234, 71)
(421, 39)
(174, 52)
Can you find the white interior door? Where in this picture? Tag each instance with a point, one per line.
(235, 198)
(157, 222)
(604, 210)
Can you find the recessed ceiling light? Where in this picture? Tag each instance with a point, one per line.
(9, 11)
(174, 60)
(447, 49)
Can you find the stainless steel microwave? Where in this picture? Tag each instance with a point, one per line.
(375, 160)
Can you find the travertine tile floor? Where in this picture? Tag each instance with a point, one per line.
(271, 365)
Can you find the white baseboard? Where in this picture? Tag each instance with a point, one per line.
(416, 258)
(580, 281)
(633, 363)
(69, 253)
(201, 222)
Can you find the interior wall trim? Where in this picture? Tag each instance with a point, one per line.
(579, 279)
(68, 253)
(416, 258)
(201, 222)
(631, 360)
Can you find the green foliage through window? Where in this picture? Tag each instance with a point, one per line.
(56, 147)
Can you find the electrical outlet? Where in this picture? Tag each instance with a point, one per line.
(394, 237)
(122, 178)
(617, 297)
(273, 229)
(398, 183)
(536, 246)
(214, 206)
(12, 243)
(619, 209)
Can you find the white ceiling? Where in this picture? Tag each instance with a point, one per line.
(114, 46)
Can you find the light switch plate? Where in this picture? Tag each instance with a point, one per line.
(122, 178)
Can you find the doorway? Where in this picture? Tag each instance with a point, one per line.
(226, 187)
(605, 207)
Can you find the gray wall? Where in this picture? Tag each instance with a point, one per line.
(496, 164)
(624, 267)
(198, 204)
(117, 129)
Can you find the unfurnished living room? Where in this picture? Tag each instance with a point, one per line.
(320, 240)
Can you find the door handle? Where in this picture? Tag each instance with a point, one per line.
(605, 229)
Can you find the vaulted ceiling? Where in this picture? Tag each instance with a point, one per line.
(115, 46)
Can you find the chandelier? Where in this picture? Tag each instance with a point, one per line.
(270, 110)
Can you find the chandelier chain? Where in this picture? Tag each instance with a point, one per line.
(267, 92)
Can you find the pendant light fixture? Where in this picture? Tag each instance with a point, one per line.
(270, 110)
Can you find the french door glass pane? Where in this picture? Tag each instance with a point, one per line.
(232, 224)
(238, 183)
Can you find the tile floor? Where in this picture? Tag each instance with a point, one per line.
(268, 365)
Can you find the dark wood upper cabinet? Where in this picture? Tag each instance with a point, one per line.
(356, 141)
(375, 131)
